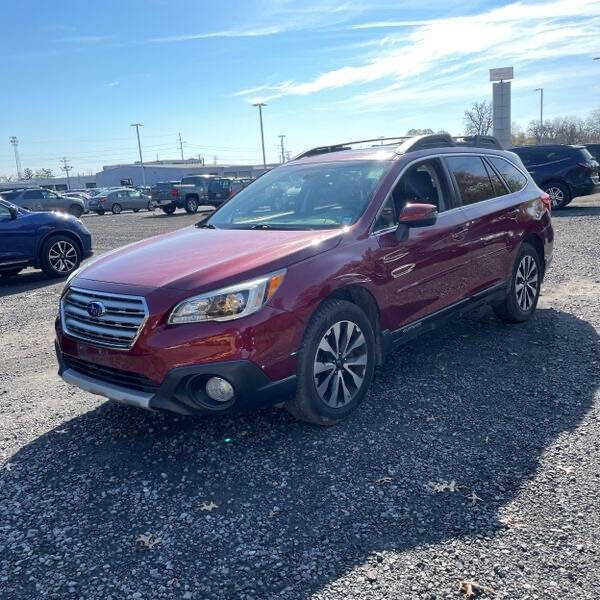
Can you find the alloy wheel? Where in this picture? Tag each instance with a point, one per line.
(62, 256)
(557, 196)
(526, 283)
(340, 364)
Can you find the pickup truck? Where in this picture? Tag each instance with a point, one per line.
(191, 193)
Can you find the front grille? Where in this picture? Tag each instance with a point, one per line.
(118, 326)
(108, 374)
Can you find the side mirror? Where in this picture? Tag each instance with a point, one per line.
(418, 215)
(415, 215)
(14, 213)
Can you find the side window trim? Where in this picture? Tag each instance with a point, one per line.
(455, 183)
(490, 168)
(525, 173)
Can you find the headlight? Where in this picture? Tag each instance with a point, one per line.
(228, 303)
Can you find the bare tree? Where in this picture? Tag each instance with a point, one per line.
(27, 174)
(592, 126)
(561, 130)
(479, 118)
(517, 136)
(44, 174)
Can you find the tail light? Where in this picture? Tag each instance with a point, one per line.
(102, 199)
(174, 192)
(545, 198)
(230, 192)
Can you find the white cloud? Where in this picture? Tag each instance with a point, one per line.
(229, 33)
(112, 83)
(516, 34)
(84, 39)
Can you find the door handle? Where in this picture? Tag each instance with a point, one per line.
(460, 232)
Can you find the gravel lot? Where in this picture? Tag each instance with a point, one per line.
(474, 458)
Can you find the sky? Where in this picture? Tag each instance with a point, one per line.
(77, 74)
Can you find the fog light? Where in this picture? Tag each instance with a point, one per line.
(219, 389)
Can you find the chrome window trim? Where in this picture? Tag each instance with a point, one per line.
(111, 295)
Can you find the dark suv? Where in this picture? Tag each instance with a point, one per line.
(563, 172)
(373, 247)
(594, 150)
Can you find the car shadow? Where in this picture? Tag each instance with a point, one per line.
(26, 281)
(298, 506)
(159, 214)
(577, 211)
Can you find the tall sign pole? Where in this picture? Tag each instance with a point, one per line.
(501, 104)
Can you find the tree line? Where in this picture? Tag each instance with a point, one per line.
(560, 130)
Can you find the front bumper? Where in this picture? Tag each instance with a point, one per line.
(182, 390)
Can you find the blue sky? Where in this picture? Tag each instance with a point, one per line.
(76, 74)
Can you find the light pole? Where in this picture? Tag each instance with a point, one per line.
(137, 129)
(282, 149)
(541, 91)
(262, 135)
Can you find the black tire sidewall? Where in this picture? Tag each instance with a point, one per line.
(45, 262)
(516, 312)
(191, 205)
(325, 317)
(114, 210)
(76, 211)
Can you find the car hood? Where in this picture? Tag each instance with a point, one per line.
(196, 259)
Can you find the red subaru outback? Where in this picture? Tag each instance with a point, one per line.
(303, 282)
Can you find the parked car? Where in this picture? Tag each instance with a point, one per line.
(255, 304)
(40, 199)
(118, 200)
(49, 241)
(190, 193)
(594, 150)
(563, 172)
(83, 196)
(223, 188)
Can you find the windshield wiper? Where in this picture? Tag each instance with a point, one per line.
(202, 225)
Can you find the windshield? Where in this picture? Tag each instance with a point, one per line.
(322, 196)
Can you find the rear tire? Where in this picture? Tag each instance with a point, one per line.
(168, 210)
(100, 212)
(559, 194)
(76, 210)
(116, 208)
(136, 210)
(191, 206)
(150, 207)
(336, 364)
(523, 292)
(60, 256)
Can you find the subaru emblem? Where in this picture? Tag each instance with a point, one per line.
(96, 309)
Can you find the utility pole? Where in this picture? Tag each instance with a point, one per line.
(137, 129)
(180, 145)
(15, 144)
(541, 91)
(262, 134)
(66, 167)
(282, 148)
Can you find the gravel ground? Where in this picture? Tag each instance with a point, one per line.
(475, 459)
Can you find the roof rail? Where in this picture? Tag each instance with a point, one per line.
(411, 144)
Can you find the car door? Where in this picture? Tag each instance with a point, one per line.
(52, 201)
(493, 212)
(135, 200)
(123, 199)
(427, 272)
(33, 200)
(17, 238)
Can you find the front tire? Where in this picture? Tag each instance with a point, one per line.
(336, 364)
(116, 208)
(76, 210)
(559, 194)
(523, 293)
(60, 256)
(191, 206)
(168, 210)
(100, 212)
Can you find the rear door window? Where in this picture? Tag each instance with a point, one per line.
(499, 188)
(514, 179)
(32, 195)
(472, 179)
